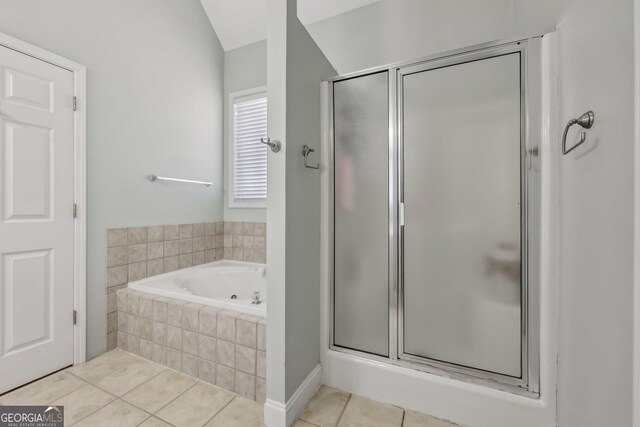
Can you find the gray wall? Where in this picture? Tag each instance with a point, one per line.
(244, 68)
(597, 193)
(306, 68)
(155, 90)
(296, 66)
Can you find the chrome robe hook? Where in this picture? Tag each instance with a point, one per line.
(586, 121)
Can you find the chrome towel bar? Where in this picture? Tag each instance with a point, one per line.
(153, 178)
(586, 121)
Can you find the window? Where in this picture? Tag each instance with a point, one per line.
(248, 156)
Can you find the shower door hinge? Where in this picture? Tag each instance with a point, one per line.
(75, 103)
(401, 214)
(75, 317)
(75, 210)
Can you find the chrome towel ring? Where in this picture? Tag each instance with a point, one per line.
(306, 150)
(586, 121)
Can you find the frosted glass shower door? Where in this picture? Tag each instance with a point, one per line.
(361, 212)
(462, 287)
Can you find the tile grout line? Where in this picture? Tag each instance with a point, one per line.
(301, 418)
(308, 422)
(166, 368)
(116, 397)
(221, 409)
(157, 375)
(344, 409)
(173, 400)
(197, 381)
(93, 385)
(116, 370)
(145, 420)
(102, 407)
(67, 394)
(158, 418)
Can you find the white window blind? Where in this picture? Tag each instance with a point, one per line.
(249, 154)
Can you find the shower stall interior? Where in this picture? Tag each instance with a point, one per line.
(435, 226)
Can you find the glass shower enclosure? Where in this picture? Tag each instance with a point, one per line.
(435, 230)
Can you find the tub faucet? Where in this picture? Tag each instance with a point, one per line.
(256, 298)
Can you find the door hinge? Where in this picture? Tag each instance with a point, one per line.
(75, 211)
(75, 317)
(75, 103)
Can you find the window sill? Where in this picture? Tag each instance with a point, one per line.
(247, 205)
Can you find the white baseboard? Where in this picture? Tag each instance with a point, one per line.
(277, 414)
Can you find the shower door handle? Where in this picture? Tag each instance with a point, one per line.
(531, 152)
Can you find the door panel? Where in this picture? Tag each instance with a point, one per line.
(36, 222)
(27, 162)
(462, 250)
(361, 189)
(27, 302)
(29, 90)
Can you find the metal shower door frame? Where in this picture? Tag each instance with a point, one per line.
(531, 133)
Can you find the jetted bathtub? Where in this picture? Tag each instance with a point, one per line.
(230, 285)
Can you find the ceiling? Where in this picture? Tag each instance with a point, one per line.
(241, 22)
(312, 11)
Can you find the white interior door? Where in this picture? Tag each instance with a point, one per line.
(36, 221)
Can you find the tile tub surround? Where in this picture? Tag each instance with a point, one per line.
(139, 252)
(245, 241)
(221, 347)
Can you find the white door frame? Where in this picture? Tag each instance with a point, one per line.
(80, 183)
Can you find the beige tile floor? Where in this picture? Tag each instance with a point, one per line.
(120, 389)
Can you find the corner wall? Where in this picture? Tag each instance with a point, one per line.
(155, 89)
(597, 195)
(296, 67)
(306, 68)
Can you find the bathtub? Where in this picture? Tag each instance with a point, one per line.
(229, 285)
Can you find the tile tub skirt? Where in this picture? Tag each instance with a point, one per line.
(221, 347)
